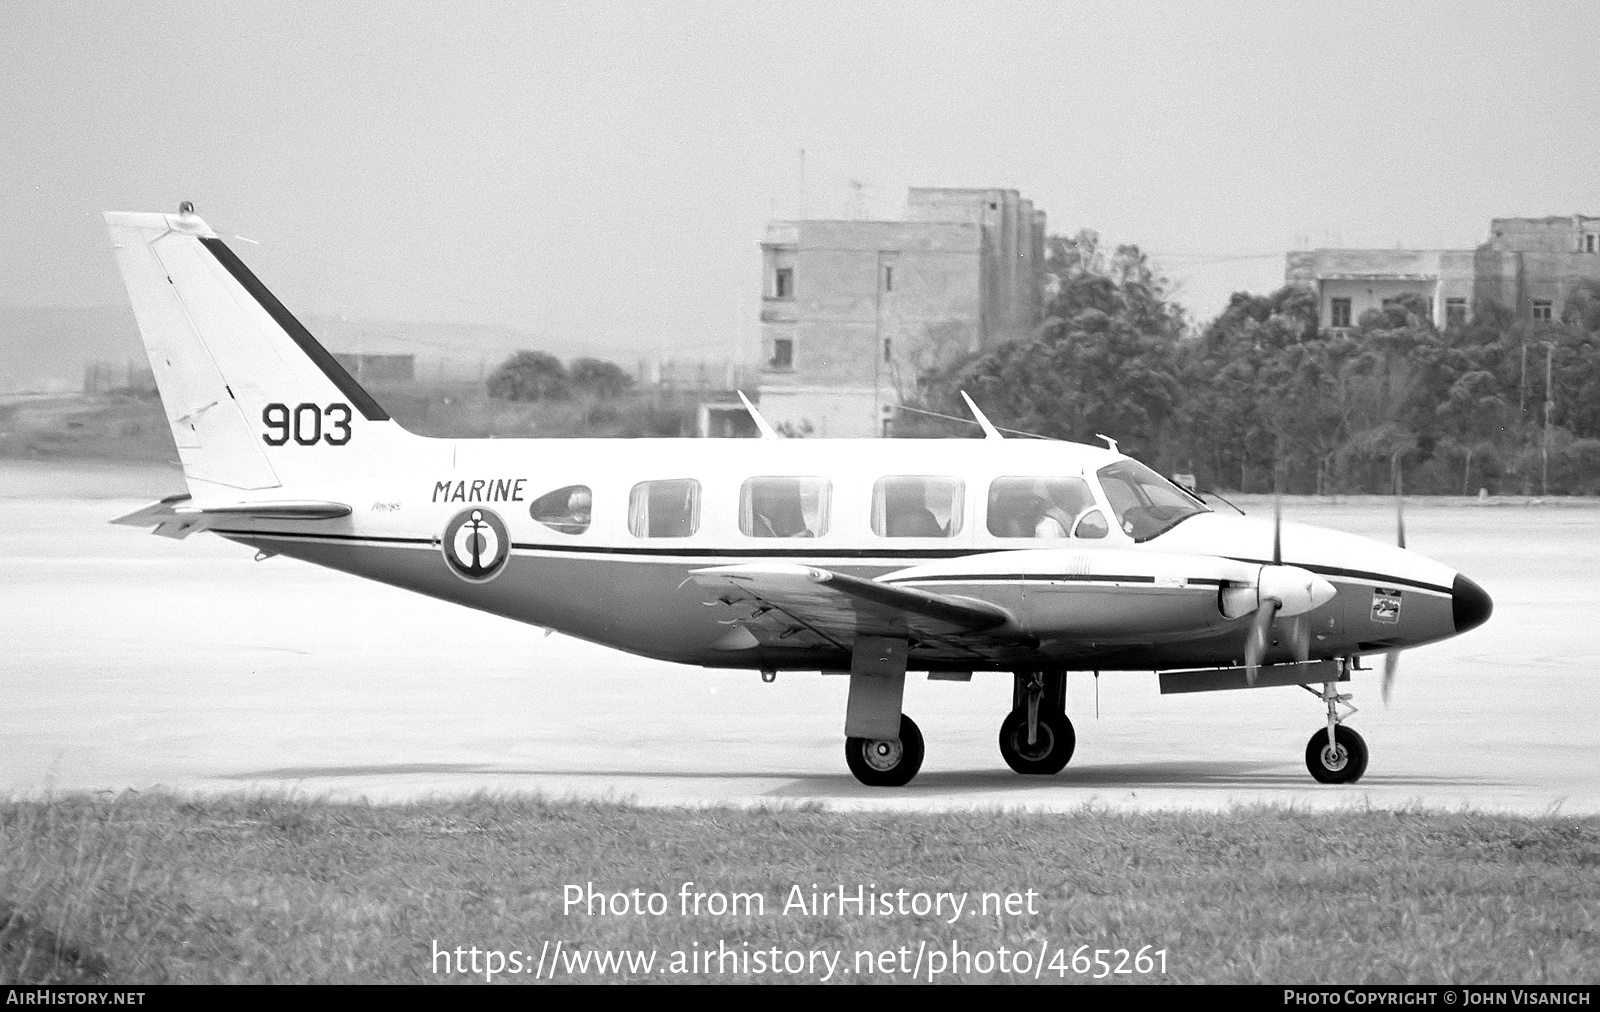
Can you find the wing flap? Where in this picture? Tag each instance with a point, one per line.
(782, 604)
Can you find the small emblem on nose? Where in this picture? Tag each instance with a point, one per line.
(1386, 606)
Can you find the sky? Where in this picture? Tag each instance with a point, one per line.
(605, 171)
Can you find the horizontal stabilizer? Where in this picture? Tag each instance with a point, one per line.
(298, 509)
(179, 516)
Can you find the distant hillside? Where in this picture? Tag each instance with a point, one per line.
(46, 349)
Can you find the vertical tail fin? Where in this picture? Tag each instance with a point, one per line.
(254, 401)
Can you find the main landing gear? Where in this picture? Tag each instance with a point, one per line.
(879, 762)
(1345, 759)
(1036, 736)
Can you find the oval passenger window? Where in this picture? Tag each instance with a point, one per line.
(566, 510)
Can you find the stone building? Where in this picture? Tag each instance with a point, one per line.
(853, 311)
(1528, 265)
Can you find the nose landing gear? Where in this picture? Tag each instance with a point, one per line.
(1335, 754)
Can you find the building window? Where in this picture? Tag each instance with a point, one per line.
(888, 279)
(887, 357)
(1455, 312)
(1339, 310)
(783, 283)
(1591, 242)
(782, 353)
(1541, 310)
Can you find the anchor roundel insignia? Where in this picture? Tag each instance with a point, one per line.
(476, 545)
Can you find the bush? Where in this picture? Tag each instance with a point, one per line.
(530, 376)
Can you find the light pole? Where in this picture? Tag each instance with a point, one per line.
(1549, 407)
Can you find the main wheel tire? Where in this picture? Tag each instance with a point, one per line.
(886, 763)
(1344, 763)
(1050, 752)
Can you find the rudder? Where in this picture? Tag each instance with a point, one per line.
(254, 401)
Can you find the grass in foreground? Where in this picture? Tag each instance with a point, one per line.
(152, 888)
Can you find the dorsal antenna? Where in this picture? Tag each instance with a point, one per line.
(989, 431)
(1112, 443)
(767, 431)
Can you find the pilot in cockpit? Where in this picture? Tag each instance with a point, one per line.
(1056, 513)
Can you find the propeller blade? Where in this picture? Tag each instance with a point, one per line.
(1399, 510)
(1277, 530)
(1300, 638)
(1255, 645)
(1391, 667)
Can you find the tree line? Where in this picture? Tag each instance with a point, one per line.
(1261, 399)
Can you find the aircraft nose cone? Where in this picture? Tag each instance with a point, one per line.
(1469, 605)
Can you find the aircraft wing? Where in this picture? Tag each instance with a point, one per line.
(789, 605)
(178, 516)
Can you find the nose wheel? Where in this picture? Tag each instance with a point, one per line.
(1341, 763)
(1335, 754)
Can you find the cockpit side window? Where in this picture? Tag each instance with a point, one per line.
(917, 506)
(566, 509)
(1021, 507)
(1145, 503)
(784, 507)
(664, 509)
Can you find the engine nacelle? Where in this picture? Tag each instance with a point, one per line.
(1297, 591)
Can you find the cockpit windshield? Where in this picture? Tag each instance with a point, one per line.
(1145, 503)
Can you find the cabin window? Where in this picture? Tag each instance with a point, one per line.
(1037, 507)
(566, 509)
(1145, 503)
(917, 506)
(784, 507)
(664, 509)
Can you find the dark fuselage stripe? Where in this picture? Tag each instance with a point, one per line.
(370, 409)
(1355, 574)
(841, 555)
(1047, 578)
(678, 553)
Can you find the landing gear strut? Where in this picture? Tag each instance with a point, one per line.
(1335, 754)
(1036, 736)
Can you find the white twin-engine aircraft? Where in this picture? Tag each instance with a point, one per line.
(870, 558)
